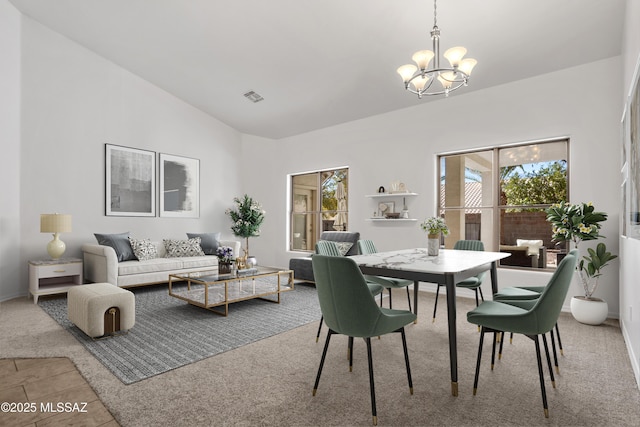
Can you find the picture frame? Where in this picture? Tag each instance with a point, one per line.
(385, 208)
(179, 186)
(632, 128)
(130, 181)
(624, 172)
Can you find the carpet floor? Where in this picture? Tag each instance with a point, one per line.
(170, 333)
(269, 382)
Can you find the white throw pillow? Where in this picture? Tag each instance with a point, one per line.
(183, 248)
(532, 245)
(343, 247)
(143, 249)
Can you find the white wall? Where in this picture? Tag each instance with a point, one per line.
(630, 248)
(73, 102)
(402, 145)
(10, 266)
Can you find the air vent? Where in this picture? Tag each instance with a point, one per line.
(253, 97)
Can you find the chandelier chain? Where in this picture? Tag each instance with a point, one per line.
(435, 13)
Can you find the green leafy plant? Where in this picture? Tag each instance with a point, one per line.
(434, 226)
(590, 266)
(575, 223)
(247, 218)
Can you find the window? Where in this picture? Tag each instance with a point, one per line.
(319, 202)
(499, 195)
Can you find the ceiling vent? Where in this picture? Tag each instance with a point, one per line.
(253, 97)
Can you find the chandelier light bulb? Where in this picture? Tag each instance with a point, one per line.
(454, 55)
(406, 72)
(420, 82)
(447, 79)
(466, 65)
(422, 58)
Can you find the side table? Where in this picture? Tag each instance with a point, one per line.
(53, 276)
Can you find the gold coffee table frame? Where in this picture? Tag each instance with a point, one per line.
(208, 289)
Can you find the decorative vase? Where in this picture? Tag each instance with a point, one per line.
(224, 267)
(251, 261)
(590, 311)
(433, 244)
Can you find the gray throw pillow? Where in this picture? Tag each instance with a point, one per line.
(209, 242)
(119, 243)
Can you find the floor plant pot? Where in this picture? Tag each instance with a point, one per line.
(590, 311)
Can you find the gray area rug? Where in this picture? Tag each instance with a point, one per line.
(170, 333)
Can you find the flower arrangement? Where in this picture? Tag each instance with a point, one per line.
(435, 226)
(247, 217)
(576, 223)
(225, 254)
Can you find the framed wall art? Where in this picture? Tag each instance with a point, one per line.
(179, 186)
(632, 115)
(130, 183)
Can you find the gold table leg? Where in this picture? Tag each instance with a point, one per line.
(454, 388)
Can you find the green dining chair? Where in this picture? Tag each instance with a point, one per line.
(367, 247)
(533, 322)
(517, 295)
(474, 282)
(350, 309)
(329, 248)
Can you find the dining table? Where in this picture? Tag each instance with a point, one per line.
(449, 267)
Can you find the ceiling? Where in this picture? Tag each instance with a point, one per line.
(318, 63)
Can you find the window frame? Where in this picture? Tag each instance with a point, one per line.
(496, 207)
(317, 212)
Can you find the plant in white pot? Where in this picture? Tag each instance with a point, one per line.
(575, 223)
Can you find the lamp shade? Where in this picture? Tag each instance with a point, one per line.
(466, 65)
(455, 54)
(422, 58)
(55, 223)
(406, 72)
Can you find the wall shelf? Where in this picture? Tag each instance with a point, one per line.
(381, 197)
(390, 195)
(391, 219)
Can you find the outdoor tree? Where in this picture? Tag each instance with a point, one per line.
(546, 185)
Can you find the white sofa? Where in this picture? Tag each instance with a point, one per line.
(101, 265)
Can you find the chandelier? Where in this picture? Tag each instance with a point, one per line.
(420, 79)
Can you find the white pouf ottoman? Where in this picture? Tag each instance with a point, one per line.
(100, 309)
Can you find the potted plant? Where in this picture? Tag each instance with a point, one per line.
(247, 217)
(225, 259)
(575, 223)
(434, 227)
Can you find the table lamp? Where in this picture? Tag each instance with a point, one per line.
(56, 224)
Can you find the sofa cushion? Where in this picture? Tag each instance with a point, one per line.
(127, 268)
(183, 248)
(143, 249)
(119, 242)
(209, 242)
(532, 245)
(199, 261)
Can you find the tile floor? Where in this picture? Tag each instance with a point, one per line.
(48, 392)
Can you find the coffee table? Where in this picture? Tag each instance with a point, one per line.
(208, 289)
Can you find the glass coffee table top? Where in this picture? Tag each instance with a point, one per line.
(208, 289)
